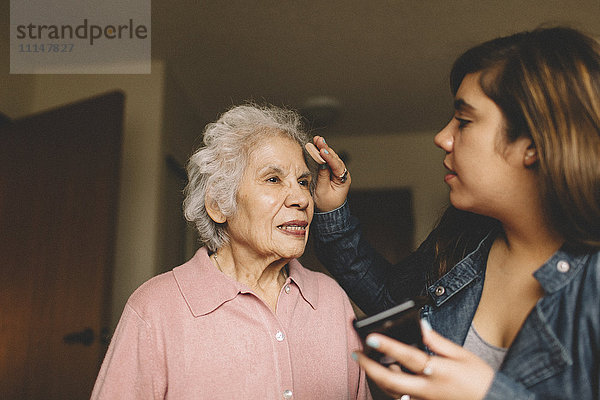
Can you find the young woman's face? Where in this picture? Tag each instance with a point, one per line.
(274, 203)
(485, 172)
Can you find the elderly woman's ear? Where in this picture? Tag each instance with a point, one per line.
(213, 210)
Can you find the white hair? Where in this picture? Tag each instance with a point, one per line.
(215, 170)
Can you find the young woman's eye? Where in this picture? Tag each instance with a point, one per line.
(462, 122)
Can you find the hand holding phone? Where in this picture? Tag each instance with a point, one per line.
(401, 322)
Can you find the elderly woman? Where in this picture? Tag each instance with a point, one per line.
(241, 319)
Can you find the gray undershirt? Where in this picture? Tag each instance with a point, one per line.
(490, 354)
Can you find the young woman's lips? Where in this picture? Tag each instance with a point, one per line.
(294, 228)
(450, 175)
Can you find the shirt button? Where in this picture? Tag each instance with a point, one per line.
(287, 394)
(280, 336)
(287, 288)
(439, 290)
(563, 266)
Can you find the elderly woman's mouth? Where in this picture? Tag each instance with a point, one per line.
(293, 227)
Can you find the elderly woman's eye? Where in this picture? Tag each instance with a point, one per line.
(273, 179)
(304, 182)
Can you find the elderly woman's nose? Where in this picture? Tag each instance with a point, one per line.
(298, 196)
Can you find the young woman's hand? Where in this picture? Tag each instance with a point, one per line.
(333, 181)
(453, 373)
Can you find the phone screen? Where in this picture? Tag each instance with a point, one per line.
(400, 322)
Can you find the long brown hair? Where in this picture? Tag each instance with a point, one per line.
(547, 84)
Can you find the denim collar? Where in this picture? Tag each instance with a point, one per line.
(559, 270)
(554, 274)
(463, 273)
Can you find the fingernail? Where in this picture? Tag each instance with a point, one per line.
(354, 356)
(425, 325)
(325, 151)
(372, 342)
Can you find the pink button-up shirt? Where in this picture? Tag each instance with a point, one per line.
(194, 333)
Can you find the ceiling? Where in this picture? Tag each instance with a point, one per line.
(385, 61)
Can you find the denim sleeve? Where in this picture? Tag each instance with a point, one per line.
(372, 282)
(503, 388)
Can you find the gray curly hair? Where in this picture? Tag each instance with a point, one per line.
(215, 170)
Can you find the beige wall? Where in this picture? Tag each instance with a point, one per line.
(16, 95)
(182, 134)
(16, 91)
(137, 223)
(182, 126)
(408, 160)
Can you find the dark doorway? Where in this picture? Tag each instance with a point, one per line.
(59, 174)
(386, 218)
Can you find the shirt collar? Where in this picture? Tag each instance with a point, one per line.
(306, 282)
(205, 288)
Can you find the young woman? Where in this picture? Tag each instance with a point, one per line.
(512, 271)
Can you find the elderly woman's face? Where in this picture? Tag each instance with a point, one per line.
(275, 206)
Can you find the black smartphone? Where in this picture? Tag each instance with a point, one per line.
(401, 322)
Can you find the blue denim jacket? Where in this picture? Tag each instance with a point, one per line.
(555, 355)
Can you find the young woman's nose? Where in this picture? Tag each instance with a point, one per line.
(445, 138)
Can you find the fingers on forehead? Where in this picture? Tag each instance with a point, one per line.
(314, 153)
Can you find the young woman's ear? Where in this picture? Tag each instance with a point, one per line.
(530, 157)
(213, 210)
